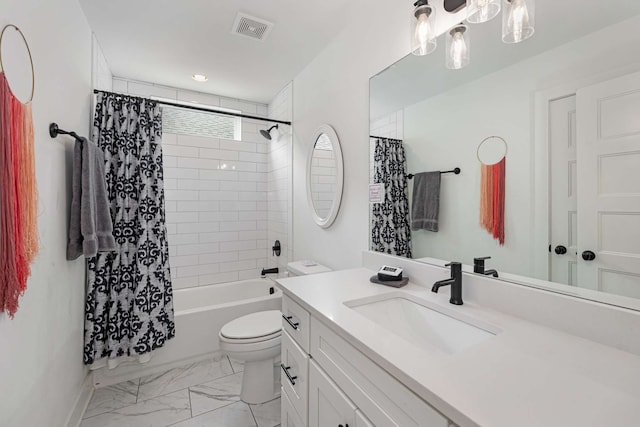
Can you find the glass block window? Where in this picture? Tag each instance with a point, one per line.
(184, 121)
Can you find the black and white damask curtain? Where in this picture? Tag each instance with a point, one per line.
(390, 228)
(129, 302)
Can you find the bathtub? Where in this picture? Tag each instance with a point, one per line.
(199, 314)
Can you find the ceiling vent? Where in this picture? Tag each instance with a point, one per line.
(252, 27)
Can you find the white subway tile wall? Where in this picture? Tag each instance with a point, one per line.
(280, 180)
(217, 195)
(323, 180)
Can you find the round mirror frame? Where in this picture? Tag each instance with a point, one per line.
(335, 207)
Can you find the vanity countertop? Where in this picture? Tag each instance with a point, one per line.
(527, 375)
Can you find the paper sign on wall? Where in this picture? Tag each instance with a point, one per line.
(376, 193)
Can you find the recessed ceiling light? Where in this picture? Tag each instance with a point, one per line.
(200, 78)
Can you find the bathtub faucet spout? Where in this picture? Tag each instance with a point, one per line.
(266, 271)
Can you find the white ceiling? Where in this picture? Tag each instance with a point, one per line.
(415, 78)
(166, 41)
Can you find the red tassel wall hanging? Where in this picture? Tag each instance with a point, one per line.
(18, 191)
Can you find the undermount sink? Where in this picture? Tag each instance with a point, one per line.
(424, 324)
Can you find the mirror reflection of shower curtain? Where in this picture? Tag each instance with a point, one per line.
(390, 228)
(129, 300)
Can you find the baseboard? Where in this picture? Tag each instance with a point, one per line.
(86, 391)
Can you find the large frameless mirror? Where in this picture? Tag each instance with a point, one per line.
(557, 113)
(324, 176)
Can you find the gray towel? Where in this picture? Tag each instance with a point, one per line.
(426, 201)
(90, 228)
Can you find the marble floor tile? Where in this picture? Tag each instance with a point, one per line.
(267, 414)
(237, 365)
(113, 397)
(235, 415)
(158, 412)
(215, 394)
(183, 377)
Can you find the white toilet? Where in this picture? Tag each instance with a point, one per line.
(255, 340)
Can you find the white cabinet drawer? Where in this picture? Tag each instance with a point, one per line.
(295, 375)
(290, 417)
(295, 320)
(382, 398)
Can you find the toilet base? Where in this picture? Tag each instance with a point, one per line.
(260, 381)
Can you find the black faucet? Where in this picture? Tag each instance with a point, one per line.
(455, 281)
(266, 271)
(478, 267)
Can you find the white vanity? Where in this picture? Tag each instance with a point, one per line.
(359, 354)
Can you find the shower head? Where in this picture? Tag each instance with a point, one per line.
(267, 133)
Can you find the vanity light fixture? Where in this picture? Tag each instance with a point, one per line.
(479, 11)
(518, 18)
(423, 40)
(458, 47)
(201, 78)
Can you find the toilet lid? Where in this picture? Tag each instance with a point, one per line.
(254, 325)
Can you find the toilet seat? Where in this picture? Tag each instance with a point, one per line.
(245, 346)
(254, 327)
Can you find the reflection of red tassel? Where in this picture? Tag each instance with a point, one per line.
(492, 199)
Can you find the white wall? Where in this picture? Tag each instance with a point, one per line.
(334, 89)
(443, 132)
(102, 78)
(280, 180)
(215, 195)
(41, 369)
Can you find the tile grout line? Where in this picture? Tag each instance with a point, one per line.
(252, 414)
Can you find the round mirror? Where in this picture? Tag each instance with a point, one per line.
(324, 176)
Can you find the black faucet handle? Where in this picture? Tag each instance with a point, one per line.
(482, 258)
(456, 268)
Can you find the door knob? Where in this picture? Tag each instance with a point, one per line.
(588, 256)
(560, 250)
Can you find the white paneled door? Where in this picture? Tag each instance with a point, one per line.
(608, 156)
(563, 191)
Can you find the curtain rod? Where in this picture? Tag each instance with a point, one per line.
(388, 139)
(193, 107)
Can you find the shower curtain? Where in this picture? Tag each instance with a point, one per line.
(390, 230)
(129, 300)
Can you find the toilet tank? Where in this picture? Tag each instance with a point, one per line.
(306, 267)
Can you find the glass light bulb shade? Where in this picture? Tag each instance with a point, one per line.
(423, 40)
(458, 48)
(479, 11)
(518, 20)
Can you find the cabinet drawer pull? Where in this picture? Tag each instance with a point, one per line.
(285, 369)
(288, 319)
